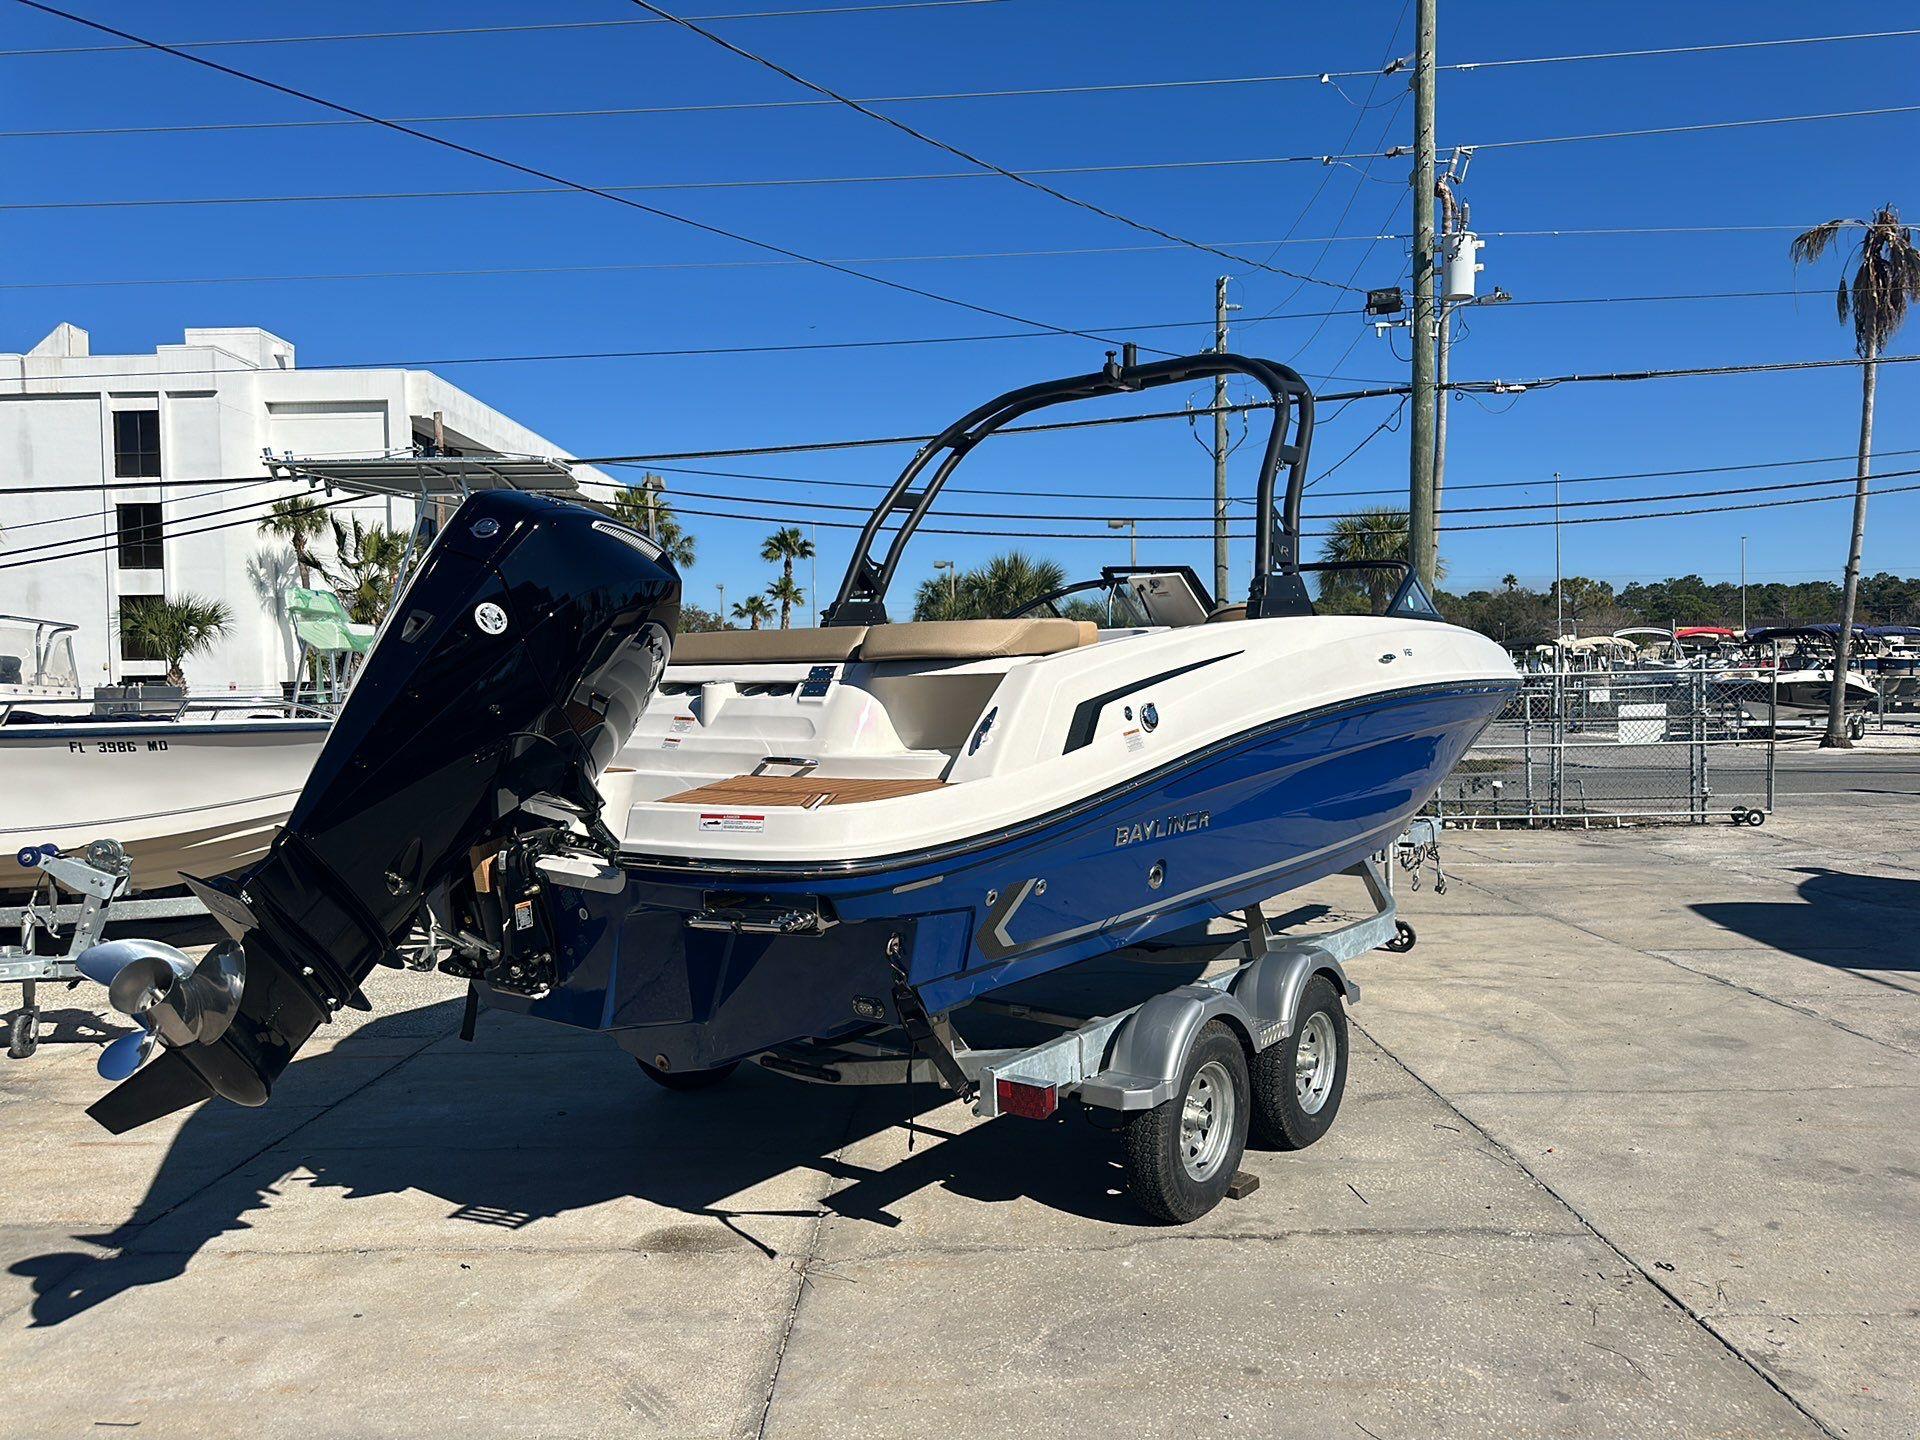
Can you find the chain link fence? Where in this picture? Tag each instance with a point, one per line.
(1655, 744)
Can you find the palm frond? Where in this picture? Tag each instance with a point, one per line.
(1810, 245)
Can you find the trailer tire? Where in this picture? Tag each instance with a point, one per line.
(1298, 1083)
(684, 1080)
(1182, 1154)
(24, 1036)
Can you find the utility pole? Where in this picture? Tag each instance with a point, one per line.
(1220, 309)
(1133, 546)
(1743, 587)
(1421, 538)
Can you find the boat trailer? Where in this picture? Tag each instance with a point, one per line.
(1260, 1045)
(53, 931)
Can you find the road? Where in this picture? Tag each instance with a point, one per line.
(1627, 1149)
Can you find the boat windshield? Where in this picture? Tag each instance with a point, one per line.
(37, 655)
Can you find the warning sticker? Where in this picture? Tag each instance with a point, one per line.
(669, 742)
(681, 724)
(732, 822)
(1135, 740)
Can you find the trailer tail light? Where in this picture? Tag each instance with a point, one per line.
(1018, 1097)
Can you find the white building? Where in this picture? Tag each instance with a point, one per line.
(76, 428)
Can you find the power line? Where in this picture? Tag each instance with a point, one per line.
(1023, 491)
(976, 532)
(1207, 519)
(1474, 386)
(1698, 127)
(470, 30)
(1120, 87)
(1071, 251)
(1716, 47)
(344, 197)
(881, 343)
(677, 353)
(14, 526)
(549, 177)
(14, 564)
(113, 534)
(609, 112)
(946, 147)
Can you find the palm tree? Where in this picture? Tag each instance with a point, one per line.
(1366, 536)
(172, 630)
(1885, 283)
(1510, 582)
(788, 595)
(1005, 585)
(369, 557)
(298, 520)
(753, 610)
(1009, 582)
(786, 545)
(650, 512)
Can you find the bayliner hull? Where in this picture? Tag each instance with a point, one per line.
(1242, 821)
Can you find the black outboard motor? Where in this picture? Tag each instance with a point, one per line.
(510, 672)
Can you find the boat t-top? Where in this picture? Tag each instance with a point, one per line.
(782, 846)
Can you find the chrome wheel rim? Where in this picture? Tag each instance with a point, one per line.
(1315, 1062)
(1206, 1121)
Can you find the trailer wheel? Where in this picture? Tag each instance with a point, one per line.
(1857, 727)
(1298, 1083)
(687, 1079)
(1756, 817)
(1403, 938)
(1183, 1154)
(24, 1037)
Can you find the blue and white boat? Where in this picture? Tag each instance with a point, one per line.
(744, 844)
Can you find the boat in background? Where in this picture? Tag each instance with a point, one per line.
(1795, 685)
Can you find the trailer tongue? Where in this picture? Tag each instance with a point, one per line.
(510, 672)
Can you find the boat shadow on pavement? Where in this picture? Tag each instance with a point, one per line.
(1858, 923)
(532, 1123)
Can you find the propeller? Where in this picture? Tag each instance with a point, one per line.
(172, 999)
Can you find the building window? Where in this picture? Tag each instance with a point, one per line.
(128, 605)
(139, 529)
(136, 444)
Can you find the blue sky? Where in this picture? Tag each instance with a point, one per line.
(1785, 176)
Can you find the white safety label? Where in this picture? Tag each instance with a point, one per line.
(732, 822)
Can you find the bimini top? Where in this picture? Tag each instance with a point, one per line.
(1829, 629)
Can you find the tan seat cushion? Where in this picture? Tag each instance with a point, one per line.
(768, 647)
(807, 791)
(975, 639)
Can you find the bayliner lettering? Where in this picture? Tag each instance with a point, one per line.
(1161, 827)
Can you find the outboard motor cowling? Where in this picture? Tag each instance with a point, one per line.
(509, 673)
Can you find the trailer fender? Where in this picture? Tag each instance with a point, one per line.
(1150, 1050)
(1269, 989)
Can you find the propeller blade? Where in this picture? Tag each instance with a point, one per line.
(101, 963)
(126, 1055)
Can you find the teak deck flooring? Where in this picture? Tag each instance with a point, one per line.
(805, 791)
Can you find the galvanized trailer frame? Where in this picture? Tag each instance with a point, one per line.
(1131, 1060)
(99, 878)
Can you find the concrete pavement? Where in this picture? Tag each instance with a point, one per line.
(1627, 1149)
